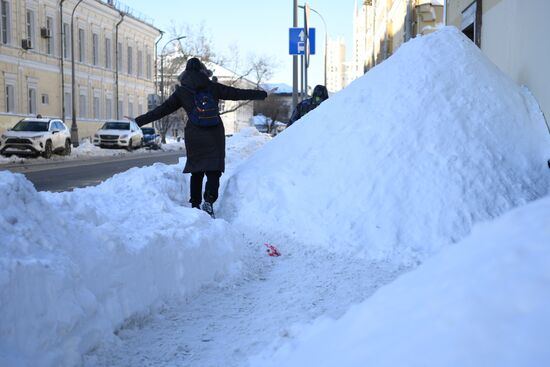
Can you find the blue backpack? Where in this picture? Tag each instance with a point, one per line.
(206, 112)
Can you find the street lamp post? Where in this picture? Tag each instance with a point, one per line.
(156, 63)
(162, 78)
(162, 66)
(74, 127)
(326, 39)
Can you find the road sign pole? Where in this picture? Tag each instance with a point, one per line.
(302, 78)
(306, 49)
(295, 59)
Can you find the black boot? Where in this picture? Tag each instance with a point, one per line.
(209, 208)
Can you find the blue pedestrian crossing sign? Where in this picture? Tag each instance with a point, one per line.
(297, 41)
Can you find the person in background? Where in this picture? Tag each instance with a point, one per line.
(204, 132)
(320, 94)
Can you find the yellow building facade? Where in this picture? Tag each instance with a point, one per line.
(514, 35)
(390, 23)
(114, 65)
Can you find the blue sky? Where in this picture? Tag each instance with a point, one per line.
(255, 25)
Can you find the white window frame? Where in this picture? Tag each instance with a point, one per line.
(130, 106)
(108, 106)
(10, 80)
(32, 93)
(120, 47)
(83, 104)
(95, 49)
(149, 67)
(50, 42)
(120, 108)
(140, 63)
(67, 92)
(108, 53)
(81, 45)
(96, 105)
(5, 22)
(130, 60)
(30, 27)
(66, 40)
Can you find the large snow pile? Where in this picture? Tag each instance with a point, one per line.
(483, 302)
(75, 265)
(404, 160)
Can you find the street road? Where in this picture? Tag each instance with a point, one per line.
(66, 175)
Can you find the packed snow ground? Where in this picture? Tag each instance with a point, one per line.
(395, 170)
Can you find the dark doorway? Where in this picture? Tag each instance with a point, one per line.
(471, 21)
(469, 32)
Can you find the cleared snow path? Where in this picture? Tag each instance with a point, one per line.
(224, 326)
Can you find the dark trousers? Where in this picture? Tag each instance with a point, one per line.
(210, 191)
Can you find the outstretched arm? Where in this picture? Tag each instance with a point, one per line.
(236, 94)
(169, 106)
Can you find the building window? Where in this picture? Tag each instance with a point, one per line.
(130, 109)
(149, 67)
(108, 108)
(140, 63)
(10, 98)
(82, 104)
(66, 40)
(96, 108)
(5, 21)
(95, 49)
(49, 40)
(45, 99)
(32, 100)
(107, 53)
(119, 56)
(30, 27)
(130, 61)
(68, 104)
(81, 45)
(120, 108)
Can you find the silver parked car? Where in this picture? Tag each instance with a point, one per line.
(41, 136)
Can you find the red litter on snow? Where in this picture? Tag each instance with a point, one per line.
(272, 250)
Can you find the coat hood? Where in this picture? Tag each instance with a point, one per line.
(194, 79)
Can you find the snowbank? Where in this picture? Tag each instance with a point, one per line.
(75, 265)
(482, 302)
(88, 150)
(403, 161)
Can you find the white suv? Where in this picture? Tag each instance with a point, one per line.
(37, 135)
(119, 134)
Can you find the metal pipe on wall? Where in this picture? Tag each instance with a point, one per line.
(74, 127)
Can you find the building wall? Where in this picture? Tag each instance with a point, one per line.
(336, 57)
(514, 35)
(390, 23)
(40, 70)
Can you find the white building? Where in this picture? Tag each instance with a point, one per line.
(336, 57)
(359, 40)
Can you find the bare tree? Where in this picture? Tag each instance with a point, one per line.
(258, 69)
(274, 108)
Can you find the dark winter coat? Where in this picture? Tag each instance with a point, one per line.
(320, 94)
(205, 145)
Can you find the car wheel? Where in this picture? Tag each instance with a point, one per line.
(47, 153)
(68, 147)
(130, 145)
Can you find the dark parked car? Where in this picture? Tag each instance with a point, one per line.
(151, 138)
